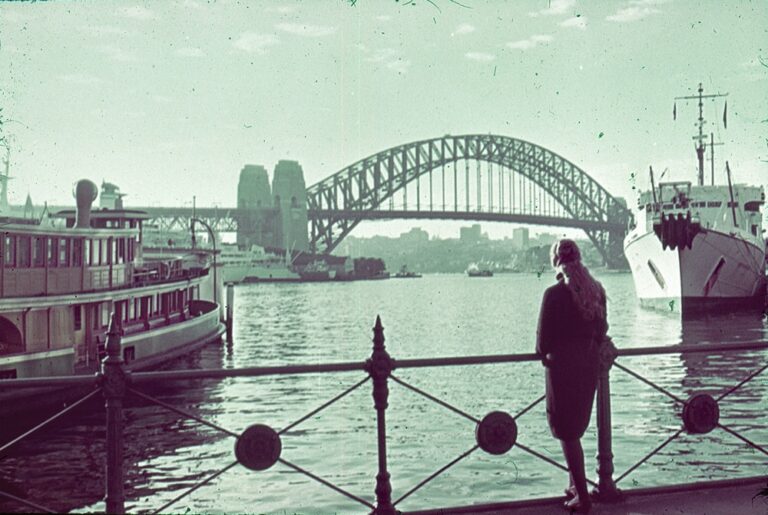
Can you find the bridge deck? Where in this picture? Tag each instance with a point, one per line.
(707, 498)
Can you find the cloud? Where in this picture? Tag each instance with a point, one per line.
(556, 8)
(399, 65)
(80, 79)
(254, 43)
(632, 13)
(578, 22)
(285, 9)
(380, 55)
(103, 30)
(464, 28)
(136, 12)
(480, 56)
(115, 53)
(311, 31)
(531, 42)
(189, 52)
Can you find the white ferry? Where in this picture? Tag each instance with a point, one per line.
(59, 285)
(255, 265)
(699, 247)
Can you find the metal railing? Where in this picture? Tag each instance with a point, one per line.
(259, 446)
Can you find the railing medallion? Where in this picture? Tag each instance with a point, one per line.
(258, 447)
(700, 413)
(496, 433)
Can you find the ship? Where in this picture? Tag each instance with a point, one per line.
(699, 247)
(479, 270)
(404, 273)
(256, 265)
(63, 278)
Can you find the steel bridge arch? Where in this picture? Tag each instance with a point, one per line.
(363, 186)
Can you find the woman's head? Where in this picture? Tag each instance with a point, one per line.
(587, 292)
(565, 251)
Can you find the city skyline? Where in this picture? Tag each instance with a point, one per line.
(184, 94)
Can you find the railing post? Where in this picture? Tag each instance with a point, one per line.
(230, 310)
(114, 380)
(606, 489)
(380, 366)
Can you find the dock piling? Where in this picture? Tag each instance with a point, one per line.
(230, 307)
(606, 490)
(114, 383)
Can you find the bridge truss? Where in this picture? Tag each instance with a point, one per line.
(468, 177)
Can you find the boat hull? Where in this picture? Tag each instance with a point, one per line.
(719, 272)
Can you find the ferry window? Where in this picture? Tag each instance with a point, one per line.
(714, 204)
(63, 252)
(38, 251)
(88, 252)
(52, 250)
(113, 252)
(121, 250)
(23, 251)
(104, 246)
(752, 206)
(733, 204)
(105, 314)
(754, 230)
(78, 314)
(668, 206)
(10, 251)
(77, 252)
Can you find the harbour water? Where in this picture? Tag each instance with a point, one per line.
(436, 316)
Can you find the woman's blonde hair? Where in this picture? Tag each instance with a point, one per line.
(587, 292)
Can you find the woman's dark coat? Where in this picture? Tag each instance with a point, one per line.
(568, 345)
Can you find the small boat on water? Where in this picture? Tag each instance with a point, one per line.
(404, 273)
(699, 248)
(61, 281)
(317, 270)
(480, 269)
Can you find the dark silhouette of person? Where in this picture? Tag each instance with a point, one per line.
(572, 323)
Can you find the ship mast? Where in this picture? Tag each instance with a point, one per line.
(700, 138)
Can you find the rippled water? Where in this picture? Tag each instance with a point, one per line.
(438, 315)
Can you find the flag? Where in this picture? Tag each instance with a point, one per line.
(674, 111)
(725, 115)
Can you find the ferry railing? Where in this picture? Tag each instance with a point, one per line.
(259, 446)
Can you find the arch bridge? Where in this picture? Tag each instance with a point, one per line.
(478, 177)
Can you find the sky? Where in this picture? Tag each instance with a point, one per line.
(170, 99)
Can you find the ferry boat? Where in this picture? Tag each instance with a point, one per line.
(60, 282)
(699, 248)
(255, 265)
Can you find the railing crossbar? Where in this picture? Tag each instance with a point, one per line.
(548, 460)
(436, 473)
(649, 383)
(649, 455)
(38, 507)
(530, 406)
(326, 483)
(183, 412)
(743, 438)
(49, 420)
(742, 383)
(214, 373)
(325, 405)
(198, 485)
(435, 399)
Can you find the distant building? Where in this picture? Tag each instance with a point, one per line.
(520, 238)
(470, 234)
(415, 236)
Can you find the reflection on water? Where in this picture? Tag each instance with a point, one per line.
(442, 315)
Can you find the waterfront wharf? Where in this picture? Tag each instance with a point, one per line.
(259, 446)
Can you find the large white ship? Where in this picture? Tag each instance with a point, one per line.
(255, 265)
(699, 248)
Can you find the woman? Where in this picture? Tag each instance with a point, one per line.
(571, 323)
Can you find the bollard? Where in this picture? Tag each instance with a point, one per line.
(114, 382)
(380, 366)
(230, 302)
(606, 489)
